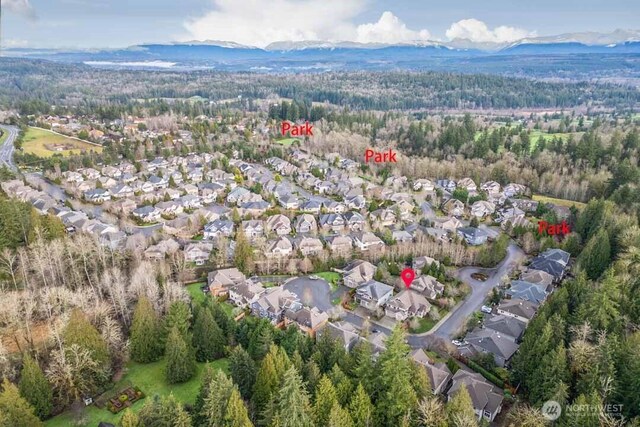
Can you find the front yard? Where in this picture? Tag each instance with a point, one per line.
(331, 277)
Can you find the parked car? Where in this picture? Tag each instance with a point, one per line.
(457, 343)
(314, 277)
(486, 309)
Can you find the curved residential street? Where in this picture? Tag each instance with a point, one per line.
(7, 148)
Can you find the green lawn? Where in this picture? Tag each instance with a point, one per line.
(3, 136)
(286, 141)
(425, 324)
(331, 277)
(150, 379)
(196, 293)
(44, 143)
(559, 202)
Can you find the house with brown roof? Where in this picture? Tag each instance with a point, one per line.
(485, 397)
(406, 304)
(438, 372)
(273, 303)
(246, 293)
(518, 309)
(357, 273)
(308, 320)
(220, 281)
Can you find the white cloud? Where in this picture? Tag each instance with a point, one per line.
(21, 7)
(478, 31)
(389, 29)
(15, 43)
(256, 23)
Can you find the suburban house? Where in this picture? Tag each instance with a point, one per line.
(339, 243)
(97, 195)
(540, 278)
(120, 191)
(308, 320)
(343, 332)
(289, 201)
(428, 286)
(482, 208)
(220, 281)
(198, 252)
(518, 309)
(308, 245)
(311, 206)
(366, 241)
(305, 223)
(438, 373)
(527, 291)
(333, 222)
(492, 342)
(245, 293)
(490, 187)
(278, 224)
(170, 208)
(253, 228)
(401, 236)
(450, 224)
(485, 397)
(383, 218)
(469, 185)
(453, 207)
(552, 261)
(218, 228)
(273, 303)
(373, 294)
(279, 247)
(237, 195)
(511, 190)
(406, 304)
(160, 250)
(423, 185)
(473, 236)
(508, 326)
(355, 221)
(357, 273)
(147, 214)
(423, 261)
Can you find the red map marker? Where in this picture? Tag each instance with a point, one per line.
(407, 276)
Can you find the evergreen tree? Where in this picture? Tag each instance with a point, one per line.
(363, 370)
(236, 413)
(360, 408)
(326, 397)
(460, 409)
(145, 341)
(208, 339)
(164, 411)
(269, 375)
(80, 331)
(420, 381)
(181, 362)
(552, 372)
(243, 253)
(432, 413)
(596, 256)
(339, 417)
(179, 316)
(397, 396)
(198, 415)
(311, 375)
(129, 419)
(16, 410)
(215, 404)
(291, 404)
(260, 340)
(342, 384)
(243, 371)
(35, 388)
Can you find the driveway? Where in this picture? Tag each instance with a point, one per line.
(312, 293)
(6, 150)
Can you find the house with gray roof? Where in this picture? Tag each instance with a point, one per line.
(489, 341)
(473, 236)
(408, 303)
(373, 294)
(527, 291)
(485, 397)
(438, 372)
(508, 326)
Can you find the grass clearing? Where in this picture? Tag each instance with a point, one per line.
(196, 293)
(287, 142)
(149, 378)
(559, 202)
(44, 143)
(3, 136)
(424, 325)
(331, 277)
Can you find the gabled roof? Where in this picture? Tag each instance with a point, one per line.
(484, 395)
(527, 291)
(519, 308)
(493, 342)
(506, 325)
(374, 290)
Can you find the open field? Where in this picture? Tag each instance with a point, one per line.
(560, 202)
(331, 277)
(44, 143)
(196, 293)
(150, 379)
(286, 141)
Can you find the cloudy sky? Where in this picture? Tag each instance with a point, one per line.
(119, 23)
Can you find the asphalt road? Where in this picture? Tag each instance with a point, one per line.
(6, 150)
(311, 292)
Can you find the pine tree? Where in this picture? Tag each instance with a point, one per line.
(339, 417)
(266, 383)
(203, 393)
(342, 383)
(363, 370)
(360, 408)
(208, 339)
(596, 256)
(243, 371)
(145, 344)
(164, 411)
(35, 388)
(17, 411)
(181, 363)
(397, 395)
(326, 397)
(236, 414)
(420, 381)
(215, 403)
(129, 419)
(460, 408)
(179, 316)
(311, 375)
(432, 412)
(291, 404)
(80, 331)
(243, 253)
